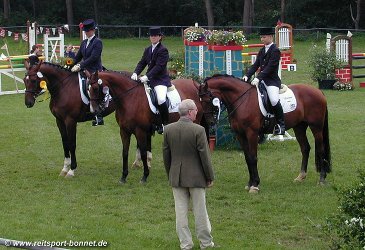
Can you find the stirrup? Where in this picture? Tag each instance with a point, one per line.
(160, 129)
(278, 130)
(97, 121)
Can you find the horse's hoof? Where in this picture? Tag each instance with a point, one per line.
(254, 190)
(301, 177)
(63, 173)
(143, 180)
(136, 164)
(322, 183)
(123, 180)
(70, 174)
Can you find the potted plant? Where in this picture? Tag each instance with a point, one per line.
(223, 37)
(195, 34)
(323, 66)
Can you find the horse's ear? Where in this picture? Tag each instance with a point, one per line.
(205, 86)
(26, 64)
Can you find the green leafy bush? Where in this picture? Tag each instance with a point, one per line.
(347, 227)
(323, 64)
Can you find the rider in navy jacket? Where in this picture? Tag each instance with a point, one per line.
(268, 60)
(156, 57)
(89, 56)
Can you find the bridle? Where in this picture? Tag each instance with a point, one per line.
(214, 109)
(37, 81)
(211, 98)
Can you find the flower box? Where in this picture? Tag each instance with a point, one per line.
(195, 43)
(224, 47)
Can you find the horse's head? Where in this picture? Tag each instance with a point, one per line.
(34, 82)
(210, 104)
(97, 91)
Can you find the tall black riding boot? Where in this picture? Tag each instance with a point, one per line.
(279, 128)
(98, 120)
(164, 113)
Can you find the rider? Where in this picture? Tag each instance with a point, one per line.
(268, 60)
(156, 57)
(90, 54)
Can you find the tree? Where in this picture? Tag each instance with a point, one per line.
(6, 9)
(356, 19)
(209, 11)
(70, 13)
(96, 11)
(248, 15)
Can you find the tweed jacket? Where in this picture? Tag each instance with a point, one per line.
(90, 56)
(269, 65)
(186, 154)
(157, 65)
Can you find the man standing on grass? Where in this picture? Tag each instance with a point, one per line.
(189, 169)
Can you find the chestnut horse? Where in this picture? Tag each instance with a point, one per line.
(247, 121)
(65, 104)
(133, 113)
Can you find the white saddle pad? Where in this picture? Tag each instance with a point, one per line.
(84, 98)
(173, 96)
(287, 100)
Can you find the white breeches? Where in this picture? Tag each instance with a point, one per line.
(273, 93)
(161, 92)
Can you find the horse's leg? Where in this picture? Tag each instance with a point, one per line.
(126, 139)
(319, 153)
(149, 151)
(142, 141)
(137, 160)
(301, 135)
(71, 137)
(66, 151)
(249, 144)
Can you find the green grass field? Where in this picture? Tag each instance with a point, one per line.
(37, 204)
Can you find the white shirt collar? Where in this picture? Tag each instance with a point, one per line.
(154, 46)
(89, 38)
(267, 47)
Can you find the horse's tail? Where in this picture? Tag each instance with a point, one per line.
(326, 141)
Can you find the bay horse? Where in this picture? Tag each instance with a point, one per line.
(133, 113)
(247, 121)
(65, 104)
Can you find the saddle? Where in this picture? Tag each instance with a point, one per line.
(153, 96)
(268, 119)
(265, 97)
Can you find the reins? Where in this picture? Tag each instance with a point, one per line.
(36, 95)
(236, 101)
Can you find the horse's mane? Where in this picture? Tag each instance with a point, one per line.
(57, 66)
(124, 73)
(222, 75)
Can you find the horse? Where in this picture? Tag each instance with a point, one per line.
(65, 104)
(133, 113)
(246, 120)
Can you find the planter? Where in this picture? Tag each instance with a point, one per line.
(326, 84)
(212, 143)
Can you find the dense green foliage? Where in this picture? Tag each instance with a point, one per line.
(348, 226)
(302, 14)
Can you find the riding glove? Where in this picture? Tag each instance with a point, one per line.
(143, 79)
(245, 78)
(255, 81)
(134, 77)
(76, 68)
